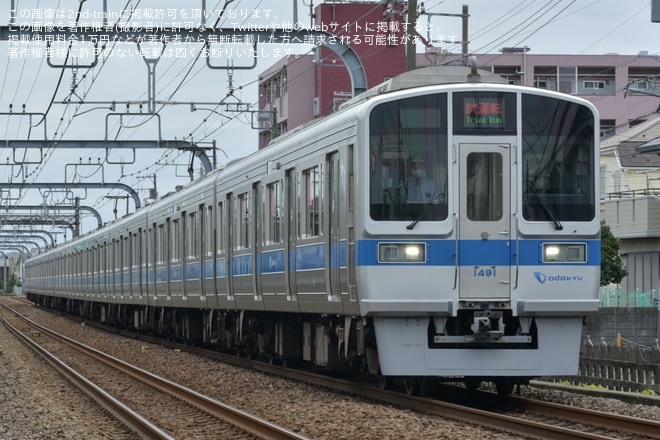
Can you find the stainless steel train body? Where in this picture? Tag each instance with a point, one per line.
(313, 249)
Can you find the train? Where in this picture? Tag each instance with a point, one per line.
(443, 225)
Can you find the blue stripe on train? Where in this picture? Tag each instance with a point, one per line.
(478, 252)
(440, 253)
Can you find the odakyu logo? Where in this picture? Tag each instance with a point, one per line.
(542, 278)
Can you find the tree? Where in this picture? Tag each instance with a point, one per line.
(611, 266)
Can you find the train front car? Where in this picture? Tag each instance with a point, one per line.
(480, 252)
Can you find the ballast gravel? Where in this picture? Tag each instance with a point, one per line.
(37, 403)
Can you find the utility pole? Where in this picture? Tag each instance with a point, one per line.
(464, 37)
(465, 16)
(411, 36)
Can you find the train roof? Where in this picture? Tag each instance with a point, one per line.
(426, 76)
(429, 76)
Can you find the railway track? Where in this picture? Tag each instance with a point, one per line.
(522, 417)
(153, 407)
(516, 415)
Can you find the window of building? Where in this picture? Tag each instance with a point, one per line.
(642, 81)
(593, 84)
(607, 128)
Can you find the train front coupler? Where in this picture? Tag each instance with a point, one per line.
(488, 325)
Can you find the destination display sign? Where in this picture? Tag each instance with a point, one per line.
(484, 112)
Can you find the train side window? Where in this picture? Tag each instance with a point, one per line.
(274, 213)
(192, 230)
(160, 244)
(311, 193)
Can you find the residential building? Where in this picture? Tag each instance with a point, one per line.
(630, 190)
(298, 89)
(624, 88)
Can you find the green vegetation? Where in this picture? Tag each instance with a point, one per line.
(13, 281)
(593, 386)
(611, 266)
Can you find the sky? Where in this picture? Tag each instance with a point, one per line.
(78, 102)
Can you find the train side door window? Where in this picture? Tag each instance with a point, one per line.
(116, 252)
(484, 187)
(175, 241)
(242, 221)
(207, 228)
(134, 257)
(160, 244)
(310, 221)
(274, 213)
(220, 228)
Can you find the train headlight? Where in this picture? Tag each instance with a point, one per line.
(401, 252)
(564, 252)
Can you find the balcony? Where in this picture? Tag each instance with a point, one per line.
(633, 214)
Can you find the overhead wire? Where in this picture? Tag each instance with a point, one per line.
(167, 152)
(52, 100)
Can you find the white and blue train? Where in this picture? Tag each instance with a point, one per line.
(443, 224)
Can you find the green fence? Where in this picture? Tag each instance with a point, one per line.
(616, 297)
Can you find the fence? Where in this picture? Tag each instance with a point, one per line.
(616, 297)
(628, 368)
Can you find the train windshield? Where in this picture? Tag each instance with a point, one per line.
(557, 160)
(408, 159)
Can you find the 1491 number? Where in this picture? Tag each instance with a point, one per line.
(485, 273)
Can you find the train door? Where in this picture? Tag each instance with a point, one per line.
(257, 242)
(230, 203)
(484, 221)
(333, 252)
(290, 183)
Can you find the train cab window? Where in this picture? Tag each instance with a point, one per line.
(408, 159)
(311, 203)
(274, 213)
(558, 160)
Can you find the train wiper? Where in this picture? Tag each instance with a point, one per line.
(546, 207)
(417, 219)
(437, 199)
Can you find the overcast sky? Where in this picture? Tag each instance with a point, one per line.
(560, 26)
(554, 27)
